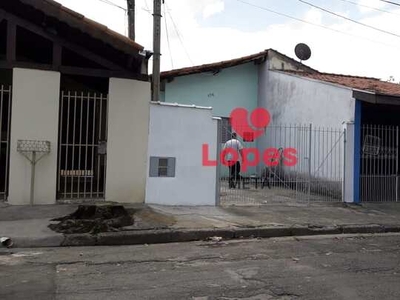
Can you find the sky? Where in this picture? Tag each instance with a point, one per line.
(196, 32)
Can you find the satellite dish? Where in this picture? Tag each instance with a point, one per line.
(303, 52)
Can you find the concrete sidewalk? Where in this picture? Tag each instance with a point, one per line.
(28, 226)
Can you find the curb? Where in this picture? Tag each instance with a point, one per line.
(191, 235)
(38, 242)
(141, 237)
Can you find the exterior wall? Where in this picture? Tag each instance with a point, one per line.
(296, 100)
(180, 132)
(231, 88)
(279, 61)
(128, 127)
(276, 63)
(293, 99)
(35, 110)
(162, 96)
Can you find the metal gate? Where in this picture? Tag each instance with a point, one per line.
(5, 124)
(379, 180)
(317, 175)
(82, 146)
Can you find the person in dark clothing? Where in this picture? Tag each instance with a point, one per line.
(234, 166)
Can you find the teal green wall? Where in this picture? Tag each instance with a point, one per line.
(231, 88)
(162, 96)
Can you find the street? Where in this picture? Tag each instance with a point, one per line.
(321, 267)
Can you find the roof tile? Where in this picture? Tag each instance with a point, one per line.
(356, 82)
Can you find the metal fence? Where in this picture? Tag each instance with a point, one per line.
(379, 163)
(317, 174)
(82, 146)
(5, 125)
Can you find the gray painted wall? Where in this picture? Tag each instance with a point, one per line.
(295, 99)
(292, 99)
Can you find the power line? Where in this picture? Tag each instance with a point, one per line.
(313, 24)
(147, 8)
(390, 2)
(147, 5)
(169, 45)
(349, 19)
(126, 23)
(113, 4)
(370, 7)
(179, 35)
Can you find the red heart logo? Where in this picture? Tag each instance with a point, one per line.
(260, 119)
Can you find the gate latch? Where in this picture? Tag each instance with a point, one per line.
(102, 148)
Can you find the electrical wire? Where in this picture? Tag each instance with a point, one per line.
(179, 35)
(169, 45)
(390, 2)
(113, 4)
(313, 24)
(126, 23)
(370, 7)
(147, 5)
(349, 19)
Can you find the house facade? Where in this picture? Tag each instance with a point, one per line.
(80, 89)
(224, 86)
(320, 105)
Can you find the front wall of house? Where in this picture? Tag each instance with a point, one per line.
(296, 101)
(292, 99)
(179, 133)
(35, 105)
(128, 128)
(232, 87)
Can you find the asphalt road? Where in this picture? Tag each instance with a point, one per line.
(351, 267)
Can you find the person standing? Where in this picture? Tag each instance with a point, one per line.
(234, 165)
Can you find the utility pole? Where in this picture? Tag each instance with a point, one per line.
(157, 49)
(131, 19)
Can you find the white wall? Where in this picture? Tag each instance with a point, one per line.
(128, 127)
(292, 99)
(35, 110)
(180, 132)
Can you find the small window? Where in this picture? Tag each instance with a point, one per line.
(226, 130)
(162, 166)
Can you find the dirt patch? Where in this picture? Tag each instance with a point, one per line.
(94, 219)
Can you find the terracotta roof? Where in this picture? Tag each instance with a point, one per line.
(75, 20)
(355, 82)
(213, 67)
